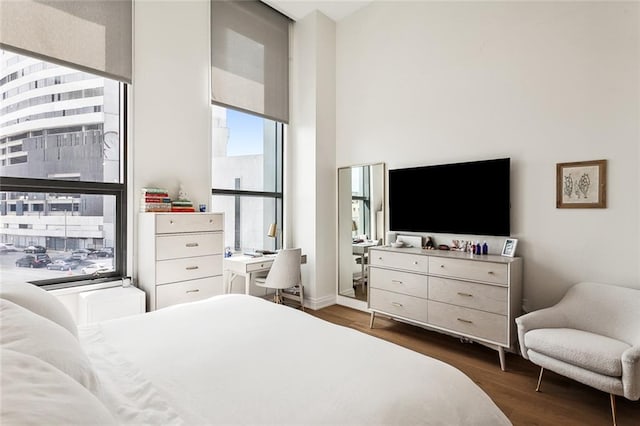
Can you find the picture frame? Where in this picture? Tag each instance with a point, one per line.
(581, 185)
(509, 247)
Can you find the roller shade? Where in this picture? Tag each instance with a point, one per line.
(250, 58)
(90, 35)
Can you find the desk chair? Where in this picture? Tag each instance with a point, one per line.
(362, 277)
(285, 276)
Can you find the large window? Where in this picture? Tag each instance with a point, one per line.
(62, 194)
(247, 178)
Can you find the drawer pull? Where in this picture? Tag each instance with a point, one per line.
(490, 272)
(380, 258)
(171, 222)
(465, 321)
(415, 262)
(465, 294)
(191, 268)
(397, 282)
(399, 305)
(442, 266)
(193, 291)
(210, 220)
(191, 245)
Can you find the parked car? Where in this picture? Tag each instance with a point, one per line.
(105, 252)
(74, 262)
(80, 254)
(34, 261)
(62, 265)
(95, 269)
(35, 249)
(7, 247)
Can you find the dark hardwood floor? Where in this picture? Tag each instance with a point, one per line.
(561, 401)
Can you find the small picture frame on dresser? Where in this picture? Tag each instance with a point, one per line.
(509, 247)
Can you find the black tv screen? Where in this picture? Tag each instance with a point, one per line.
(461, 198)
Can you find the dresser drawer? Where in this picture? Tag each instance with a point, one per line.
(399, 282)
(400, 305)
(188, 245)
(484, 297)
(473, 270)
(191, 268)
(188, 291)
(188, 222)
(477, 324)
(405, 261)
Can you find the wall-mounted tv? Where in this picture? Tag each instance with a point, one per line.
(460, 198)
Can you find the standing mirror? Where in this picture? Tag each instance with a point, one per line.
(360, 225)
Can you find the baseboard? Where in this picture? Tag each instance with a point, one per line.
(319, 302)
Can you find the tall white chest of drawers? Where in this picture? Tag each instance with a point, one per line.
(180, 257)
(473, 296)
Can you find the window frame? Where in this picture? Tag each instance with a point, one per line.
(277, 196)
(118, 190)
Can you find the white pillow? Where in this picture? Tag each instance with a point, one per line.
(36, 393)
(24, 331)
(40, 301)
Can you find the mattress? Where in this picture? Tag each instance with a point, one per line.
(238, 359)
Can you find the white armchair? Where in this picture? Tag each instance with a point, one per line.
(592, 336)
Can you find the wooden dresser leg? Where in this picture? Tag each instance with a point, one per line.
(373, 316)
(502, 358)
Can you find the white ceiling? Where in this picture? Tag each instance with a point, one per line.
(298, 9)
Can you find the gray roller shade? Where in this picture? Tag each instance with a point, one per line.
(90, 35)
(250, 58)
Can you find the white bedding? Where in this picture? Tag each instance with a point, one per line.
(237, 359)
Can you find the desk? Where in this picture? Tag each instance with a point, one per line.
(361, 250)
(246, 266)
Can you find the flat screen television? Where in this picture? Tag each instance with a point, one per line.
(460, 198)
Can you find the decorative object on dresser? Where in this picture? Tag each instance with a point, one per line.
(592, 335)
(180, 257)
(509, 248)
(582, 184)
(154, 200)
(476, 297)
(182, 204)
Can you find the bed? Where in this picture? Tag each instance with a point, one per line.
(230, 359)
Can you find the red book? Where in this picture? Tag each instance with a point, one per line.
(154, 199)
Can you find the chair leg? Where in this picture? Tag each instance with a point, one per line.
(539, 379)
(613, 408)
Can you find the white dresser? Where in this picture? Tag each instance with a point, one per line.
(180, 257)
(473, 296)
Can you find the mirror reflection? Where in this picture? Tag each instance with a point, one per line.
(360, 225)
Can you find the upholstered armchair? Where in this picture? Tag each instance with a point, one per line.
(592, 336)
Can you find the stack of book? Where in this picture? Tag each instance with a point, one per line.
(155, 200)
(182, 206)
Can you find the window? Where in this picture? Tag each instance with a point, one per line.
(247, 178)
(361, 200)
(62, 148)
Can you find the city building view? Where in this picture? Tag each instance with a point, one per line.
(57, 123)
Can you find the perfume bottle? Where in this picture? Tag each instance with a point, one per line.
(485, 248)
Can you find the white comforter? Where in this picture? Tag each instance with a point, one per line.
(237, 359)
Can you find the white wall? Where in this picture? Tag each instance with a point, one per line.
(310, 194)
(171, 140)
(422, 83)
